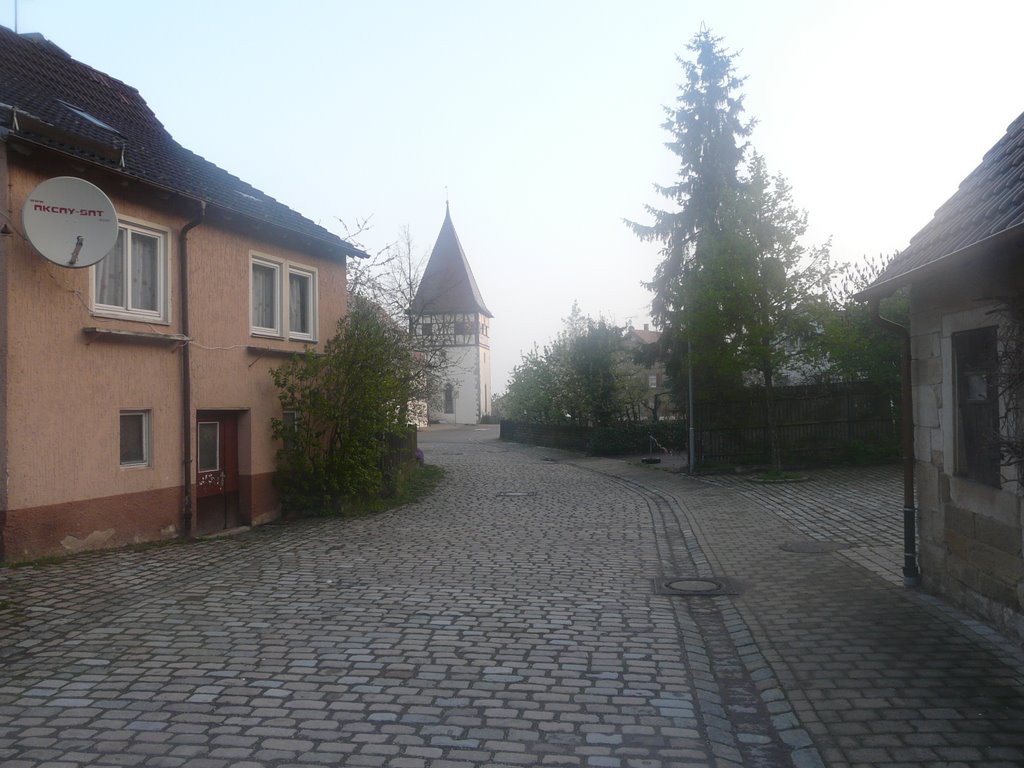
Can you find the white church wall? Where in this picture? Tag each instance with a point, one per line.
(463, 375)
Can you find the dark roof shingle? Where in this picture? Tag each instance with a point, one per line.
(988, 204)
(49, 98)
(448, 285)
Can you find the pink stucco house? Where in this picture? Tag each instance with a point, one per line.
(135, 398)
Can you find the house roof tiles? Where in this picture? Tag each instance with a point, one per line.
(645, 336)
(49, 98)
(988, 206)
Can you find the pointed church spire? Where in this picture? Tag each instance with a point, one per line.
(448, 285)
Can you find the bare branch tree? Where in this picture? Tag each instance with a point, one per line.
(390, 279)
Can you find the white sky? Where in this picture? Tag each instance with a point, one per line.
(542, 118)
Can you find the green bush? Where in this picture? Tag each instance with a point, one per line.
(348, 400)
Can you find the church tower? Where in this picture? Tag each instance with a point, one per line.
(448, 307)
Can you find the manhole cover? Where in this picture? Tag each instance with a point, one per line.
(813, 547)
(697, 586)
(694, 586)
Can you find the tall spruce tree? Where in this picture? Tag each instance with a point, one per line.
(736, 291)
(708, 137)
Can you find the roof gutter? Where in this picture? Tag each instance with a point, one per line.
(950, 260)
(911, 573)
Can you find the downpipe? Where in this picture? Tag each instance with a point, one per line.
(911, 572)
(186, 375)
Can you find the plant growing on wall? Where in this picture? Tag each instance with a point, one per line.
(1010, 389)
(345, 401)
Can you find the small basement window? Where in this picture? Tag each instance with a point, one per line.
(134, 438)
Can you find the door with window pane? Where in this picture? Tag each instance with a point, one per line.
(217, 502)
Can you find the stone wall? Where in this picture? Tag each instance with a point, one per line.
(971, 534)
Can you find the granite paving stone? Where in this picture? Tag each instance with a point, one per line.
(517, 617)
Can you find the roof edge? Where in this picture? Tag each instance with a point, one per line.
(886, 287)
(343, 246)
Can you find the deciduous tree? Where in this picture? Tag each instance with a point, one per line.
(586, 376)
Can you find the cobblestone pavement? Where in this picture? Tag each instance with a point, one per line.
(523, 615)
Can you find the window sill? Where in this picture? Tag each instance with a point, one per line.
(261, 336)
(258, 351)
(93, 333)
(111, 314)
(266, 334)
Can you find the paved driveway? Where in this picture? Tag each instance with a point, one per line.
(519, 617)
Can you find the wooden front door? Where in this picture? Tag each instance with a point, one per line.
(217, 507)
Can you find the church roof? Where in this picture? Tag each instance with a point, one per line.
(448, 285)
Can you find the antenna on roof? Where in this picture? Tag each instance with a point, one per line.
(15, 16)
(445, 195)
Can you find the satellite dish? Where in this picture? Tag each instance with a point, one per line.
(70, 222)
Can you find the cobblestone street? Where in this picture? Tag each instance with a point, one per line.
(537, 610)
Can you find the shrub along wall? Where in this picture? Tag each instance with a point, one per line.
(622, 439)
(398, 455)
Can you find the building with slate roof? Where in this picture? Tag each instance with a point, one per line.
(448, 307)
(963, 272)
(135, 395)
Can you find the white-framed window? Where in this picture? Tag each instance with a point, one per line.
(266, 297)
(131, 280)
(652, 380)
(301, 303)
(135, 438)
(283, 299)
(208, 446)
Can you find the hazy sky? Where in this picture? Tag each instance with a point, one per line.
(543, 119)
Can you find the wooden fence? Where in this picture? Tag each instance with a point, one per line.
(816, 425)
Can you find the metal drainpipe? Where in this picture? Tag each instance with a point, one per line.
(911, 573)
(186, 374)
